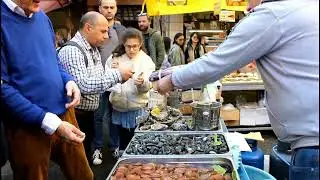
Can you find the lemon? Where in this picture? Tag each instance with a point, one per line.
(155, 111)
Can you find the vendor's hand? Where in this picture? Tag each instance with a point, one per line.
(139, 80)
(74, 93)
(125, 71)
(164, 85)
(70, 133)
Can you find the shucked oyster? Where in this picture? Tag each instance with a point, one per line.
(160, 119)
(179, 126)
(158, 127)
(145, 128)
(162, 116)
(174, 112)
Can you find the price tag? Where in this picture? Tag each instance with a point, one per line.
(227, 16)
(176, 2)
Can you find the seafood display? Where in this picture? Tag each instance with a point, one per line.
(176, 144)
(181, 171)
(160, 119)
(249, 77)
(174, 169)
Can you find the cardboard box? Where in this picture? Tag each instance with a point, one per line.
(233, 115)
(186, 109)
(231, 118)
(232, 123)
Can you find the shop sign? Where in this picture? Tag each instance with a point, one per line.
(217, 7)
(227, 16)
(234, 5)
(170, 7)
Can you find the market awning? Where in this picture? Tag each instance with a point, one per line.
(50, 5)
(169, 7)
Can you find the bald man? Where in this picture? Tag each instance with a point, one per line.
(108, 8)
(83, 62)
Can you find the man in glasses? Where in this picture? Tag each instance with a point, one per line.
(84, 64)
(153, 42)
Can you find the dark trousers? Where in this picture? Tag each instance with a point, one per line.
(103, 114)
(120, 136)
(85, 120)
(3, 147)
(31, 150)
(304, 164)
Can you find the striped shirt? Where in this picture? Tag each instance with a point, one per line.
(92, 80)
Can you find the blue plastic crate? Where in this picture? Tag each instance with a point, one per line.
(257, 174)
(280, 163)
(242, 173)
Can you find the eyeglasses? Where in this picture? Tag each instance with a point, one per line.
(134, 47)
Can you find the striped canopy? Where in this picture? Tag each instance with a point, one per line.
(50, 5)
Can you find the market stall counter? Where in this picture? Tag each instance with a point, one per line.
(163, 153)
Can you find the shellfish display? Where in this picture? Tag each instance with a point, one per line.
(136, 171)
(160, 119)
(177, 144)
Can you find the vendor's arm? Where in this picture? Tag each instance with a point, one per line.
(252, 38)
(73, 61)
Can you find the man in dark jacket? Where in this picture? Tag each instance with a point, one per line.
(153, 42)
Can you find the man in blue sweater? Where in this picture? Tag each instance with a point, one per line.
(284, 38)
(37, 97)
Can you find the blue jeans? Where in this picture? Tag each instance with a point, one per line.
(122, 127)
(103, 113)
(305, 164)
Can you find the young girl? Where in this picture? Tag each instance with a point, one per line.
(194, 48)
(130, 98)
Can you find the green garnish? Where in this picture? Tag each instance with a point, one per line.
(189, 122)
(219, 169)
(216, 142)
(233, 175)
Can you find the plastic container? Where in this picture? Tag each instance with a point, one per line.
(279, 163)
(254, 158)
(257, 174)
(174, 99)
(242, 173)
(156, 99)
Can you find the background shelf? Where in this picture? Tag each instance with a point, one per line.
(250, 128)
(242, 86)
